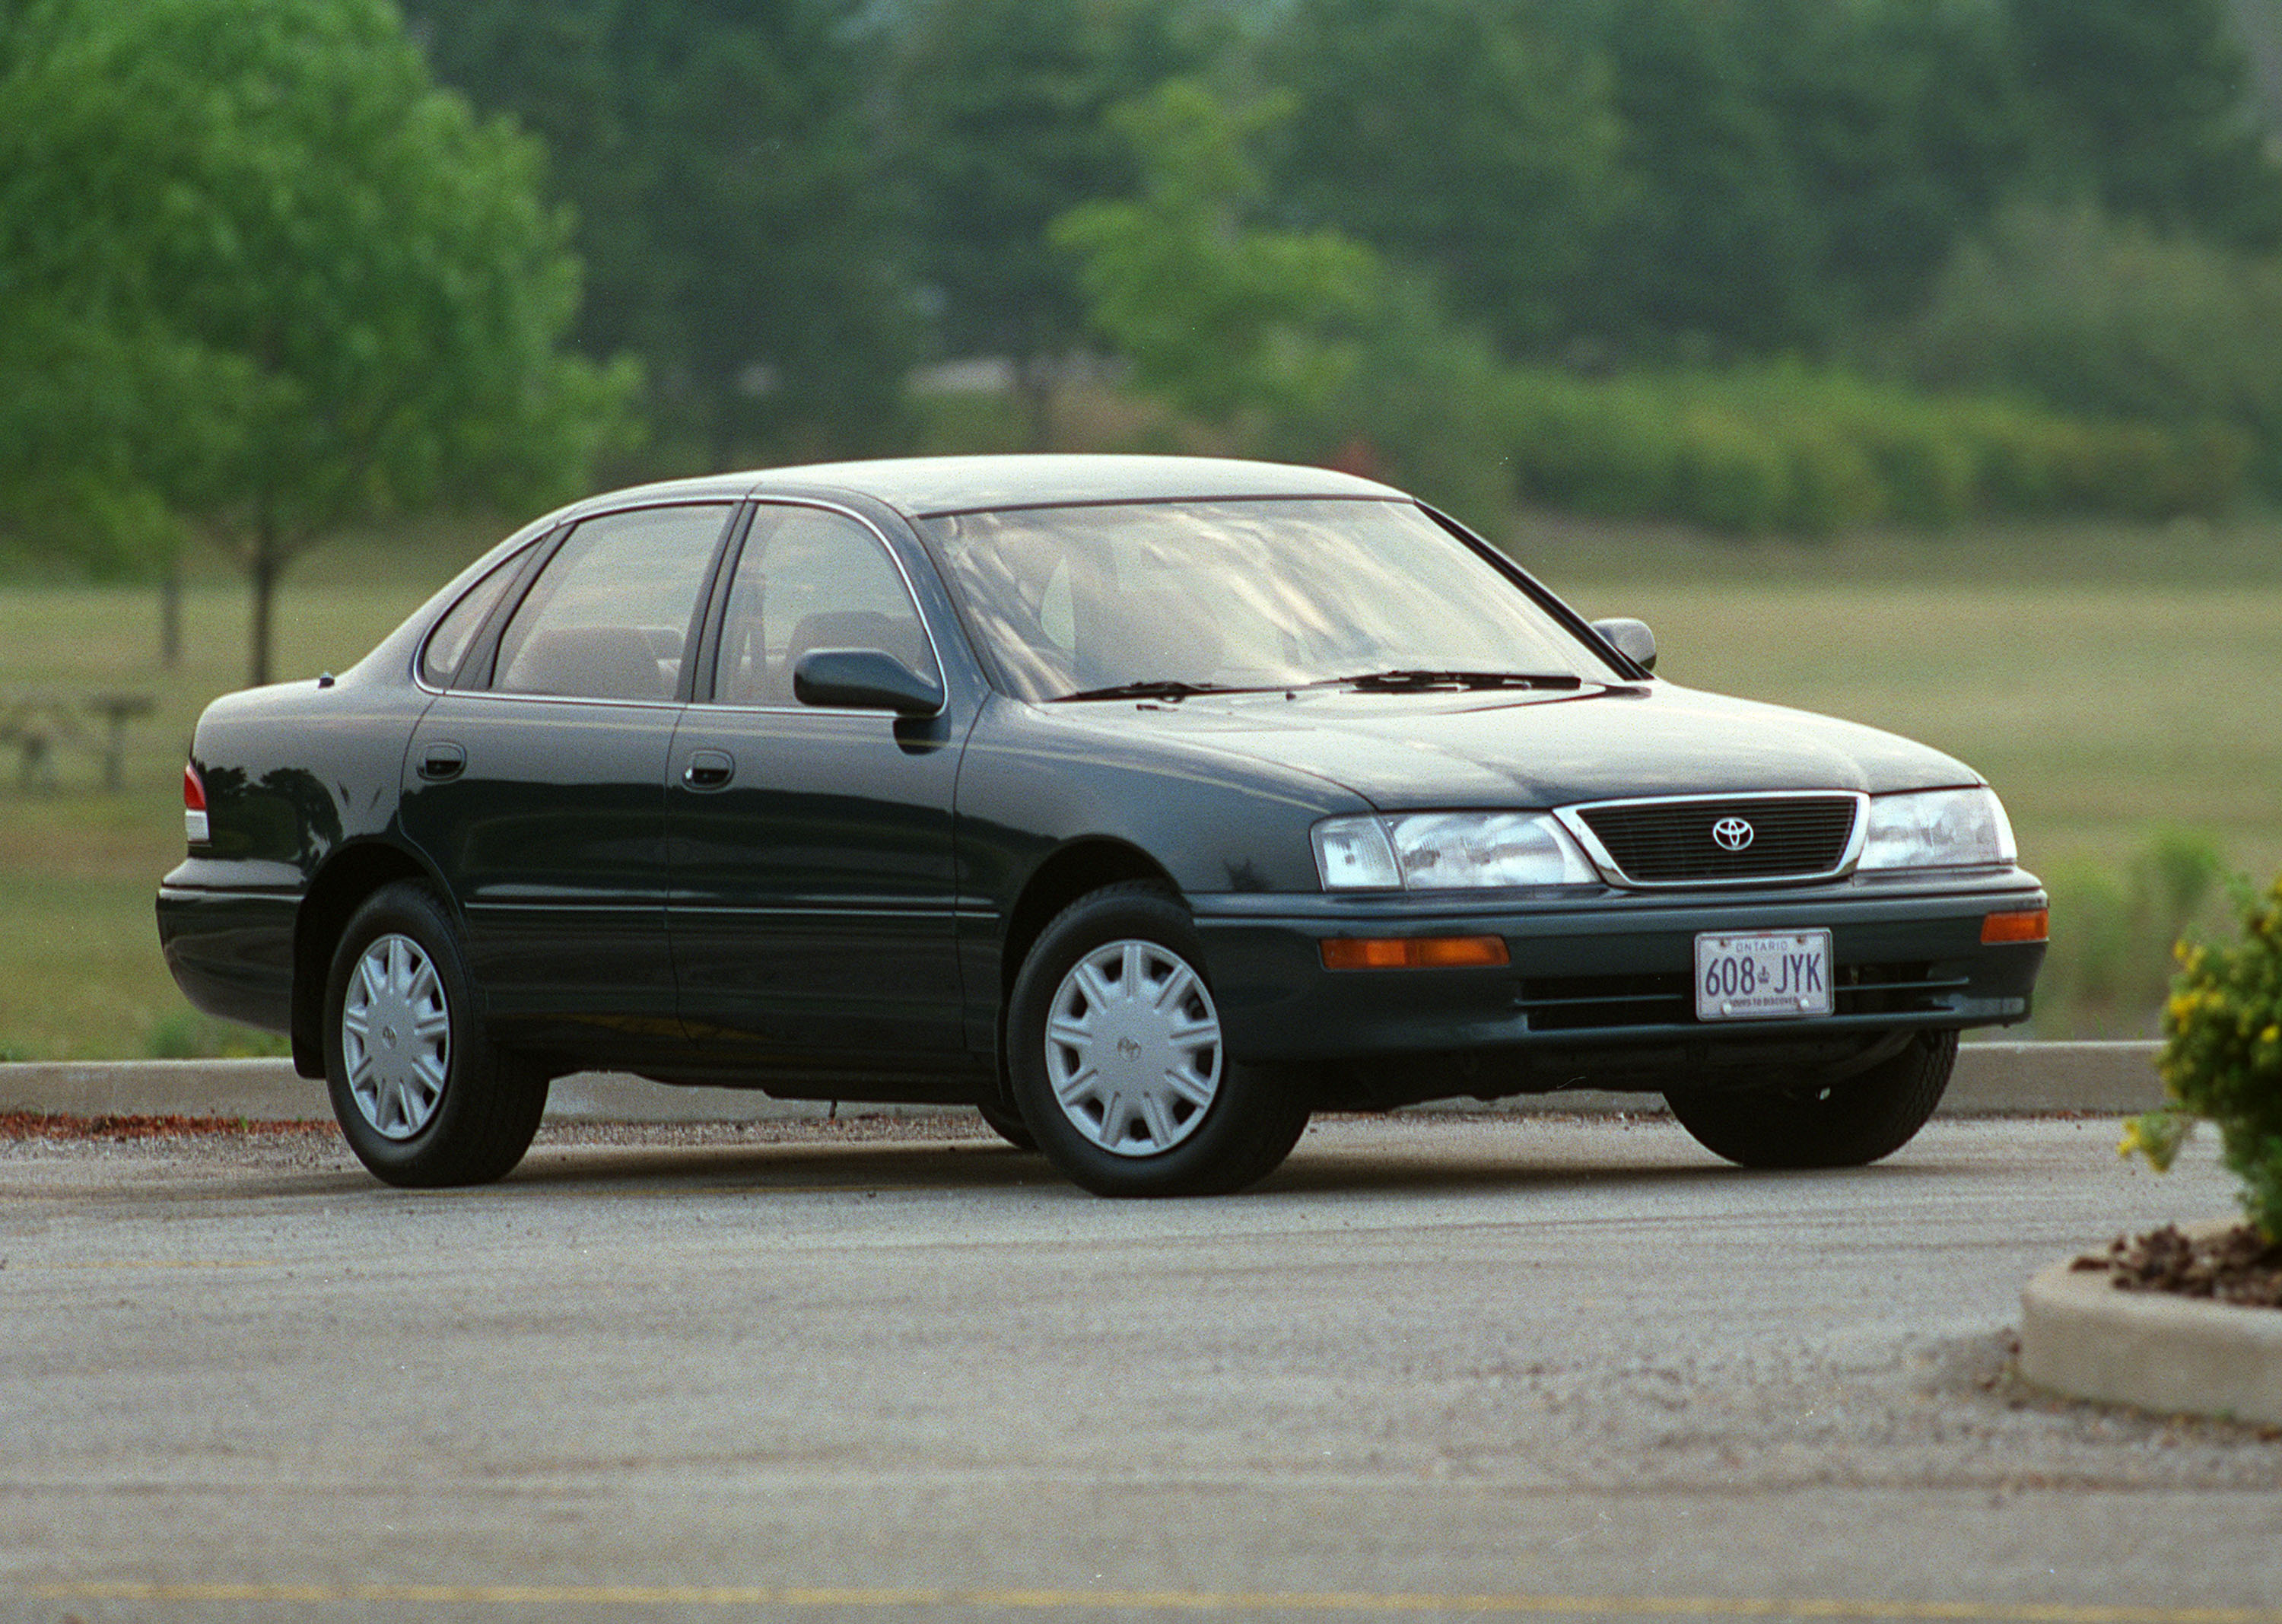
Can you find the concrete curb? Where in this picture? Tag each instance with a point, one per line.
(1992, 1079)
(2157, 1350)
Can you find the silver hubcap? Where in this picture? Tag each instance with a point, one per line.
(1133, 1048)
(396, 1037)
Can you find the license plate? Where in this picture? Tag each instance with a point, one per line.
(1762, 977)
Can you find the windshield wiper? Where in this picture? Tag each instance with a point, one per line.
(1405, 681)
(1156, 687)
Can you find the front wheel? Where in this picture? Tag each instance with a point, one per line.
(1847, 1124)
(1009, 1126)
(1116, 1055)
(421, 1097)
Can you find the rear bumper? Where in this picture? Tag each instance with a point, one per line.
(1600, 991)
(231, 950)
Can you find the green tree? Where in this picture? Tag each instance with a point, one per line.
(733, 212)
(2109, 319)
(1309, 343)
(2148, 108)
(303, 285)
(1798, 165)
(1459, 135)
(1712, 238)
(1001, 109)
(1222, 317)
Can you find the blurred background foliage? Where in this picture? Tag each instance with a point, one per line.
(1780, 265)
(1759, 266)
(1614, 280)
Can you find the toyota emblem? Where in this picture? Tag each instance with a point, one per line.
(1732, 833)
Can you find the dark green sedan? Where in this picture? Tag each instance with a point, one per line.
(1147, 804)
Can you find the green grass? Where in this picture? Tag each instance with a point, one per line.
(2098, 711)
(81, 975)
(2108, 682)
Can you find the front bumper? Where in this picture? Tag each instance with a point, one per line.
(1600, 990)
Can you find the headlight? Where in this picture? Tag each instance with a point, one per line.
(1421, 851)
(1942, 828)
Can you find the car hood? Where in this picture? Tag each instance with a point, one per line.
(1399, 751)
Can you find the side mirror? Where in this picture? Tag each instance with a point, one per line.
(1630, 638)
(864, 680)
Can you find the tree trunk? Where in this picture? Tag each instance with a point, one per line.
(261, 569)
(1034, 376)
(170, 612)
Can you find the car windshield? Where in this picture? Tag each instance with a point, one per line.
(1169, 598)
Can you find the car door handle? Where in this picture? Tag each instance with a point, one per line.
(441, 761)
(709, 769)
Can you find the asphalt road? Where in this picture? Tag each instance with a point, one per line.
(1545, 1367)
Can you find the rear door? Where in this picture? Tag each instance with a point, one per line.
(536, 785)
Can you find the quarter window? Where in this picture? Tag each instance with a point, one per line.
(610, 617)
(811, 579)
(449, 644)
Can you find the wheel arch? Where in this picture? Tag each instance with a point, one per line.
(1083, 866)
(340, 888)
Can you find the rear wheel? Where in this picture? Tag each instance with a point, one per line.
(422, 1096)
(1117, 1060)
(1846, 1124)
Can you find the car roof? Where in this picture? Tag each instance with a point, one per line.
(921, 487)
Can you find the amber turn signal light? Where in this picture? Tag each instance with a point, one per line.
(2035, 925)
(1414, 953)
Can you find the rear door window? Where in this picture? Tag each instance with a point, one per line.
(611, 616)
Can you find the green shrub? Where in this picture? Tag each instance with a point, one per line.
(1604, 449)
(1834, 485)
(1928, 468)
(2109, 966)
(2031, 462)
(1729, 475)
(1781, 449)
(2101, 977)
(2114, 321)
(2222, 1060)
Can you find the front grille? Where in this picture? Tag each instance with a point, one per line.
(1672, 843)
(1585, 1003)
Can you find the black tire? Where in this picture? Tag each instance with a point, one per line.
(1009, 1126)
(1848, 1123)
(422, 1095)
(1176, 1118)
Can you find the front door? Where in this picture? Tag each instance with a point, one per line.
(811, 848)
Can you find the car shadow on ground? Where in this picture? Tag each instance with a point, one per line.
(1382, 1157)
(1409, 1167)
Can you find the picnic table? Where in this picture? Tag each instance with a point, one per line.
(40, 723)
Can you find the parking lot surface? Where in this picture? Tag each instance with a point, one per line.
(1449, 1366)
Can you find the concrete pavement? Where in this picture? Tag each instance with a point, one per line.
(1502, 1366)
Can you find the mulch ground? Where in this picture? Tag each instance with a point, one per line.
(42, 1125)
(2236, 1265)
(854, 1127)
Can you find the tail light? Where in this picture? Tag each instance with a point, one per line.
(194, 805)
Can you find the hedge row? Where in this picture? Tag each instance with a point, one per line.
(1789, 452)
